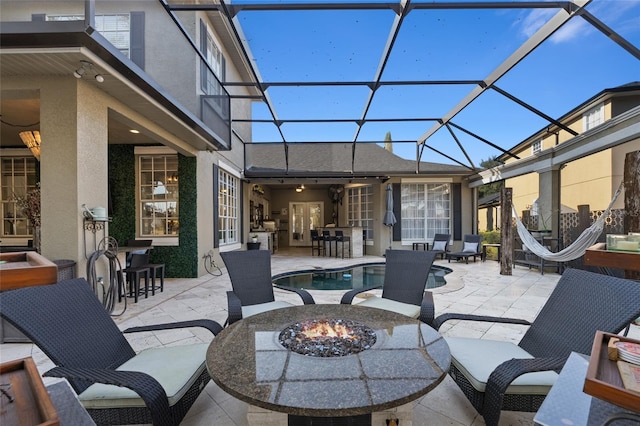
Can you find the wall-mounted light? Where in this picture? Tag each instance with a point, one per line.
(299, 188)
(86, 68)
(32, 140)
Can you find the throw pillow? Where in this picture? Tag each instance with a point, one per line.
(439, 245)
(470, 248)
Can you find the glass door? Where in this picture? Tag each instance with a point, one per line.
(303, 217)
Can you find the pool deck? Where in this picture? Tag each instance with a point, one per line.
(471, 288)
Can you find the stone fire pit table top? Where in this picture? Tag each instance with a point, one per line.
(408, 360)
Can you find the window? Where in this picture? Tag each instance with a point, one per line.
(426, 210)
(536, 146)
(158, 195)
(18, 179)
(592, 118)
(360, 203)
(211, 81)
(115, 28)
(229, 207)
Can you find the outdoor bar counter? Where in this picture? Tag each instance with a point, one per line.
(355, 235)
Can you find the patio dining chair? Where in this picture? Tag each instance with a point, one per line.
(498, 375)
(250, 274)
(471, 246)
(403, 290)
(115, 384)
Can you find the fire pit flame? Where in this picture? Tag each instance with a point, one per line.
(327, 337)
(326, 330)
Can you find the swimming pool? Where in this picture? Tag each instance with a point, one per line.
(358, 276)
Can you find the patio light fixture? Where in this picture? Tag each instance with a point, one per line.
(299, 188)
(32, 140)
(87, 66)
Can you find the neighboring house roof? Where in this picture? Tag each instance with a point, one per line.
(624, 89)
(489, 201)
(334, 160)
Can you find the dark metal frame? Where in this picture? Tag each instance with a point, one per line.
(582, 303)
(68, 323)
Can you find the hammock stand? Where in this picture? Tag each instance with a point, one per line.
(587, 238)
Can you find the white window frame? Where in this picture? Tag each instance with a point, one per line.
(16, 186)
(117, 33)
(536, 146)
(214, 59)
(229, 217)
(593, 117)
(165, 169)
(426, 210)
(360, 210)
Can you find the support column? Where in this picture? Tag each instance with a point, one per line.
(74, 164)
(549, 200)
(506, 231)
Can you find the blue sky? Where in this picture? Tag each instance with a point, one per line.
(577, 62)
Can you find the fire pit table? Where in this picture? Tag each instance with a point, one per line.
(270, 361)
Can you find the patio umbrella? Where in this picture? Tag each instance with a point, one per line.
(389, 217)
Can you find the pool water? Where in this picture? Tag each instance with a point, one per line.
(360, 276)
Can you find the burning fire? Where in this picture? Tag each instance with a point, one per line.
(325, 329)
(327, 337)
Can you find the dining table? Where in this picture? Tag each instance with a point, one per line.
(249, 361)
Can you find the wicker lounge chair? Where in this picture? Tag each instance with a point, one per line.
(441, 244)
(117, 386)
(492, 373)
(471, 246)
(250, 274)
(403, 291)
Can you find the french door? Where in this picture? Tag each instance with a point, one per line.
(303, 217)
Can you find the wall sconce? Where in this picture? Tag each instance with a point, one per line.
(87, 67)
(32, 140)
(299, 188)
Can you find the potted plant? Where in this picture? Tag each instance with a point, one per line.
(30, 207)
(254, 238)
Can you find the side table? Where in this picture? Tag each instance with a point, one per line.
(416, 246)
(567, 404)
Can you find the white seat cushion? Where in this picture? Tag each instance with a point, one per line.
(470, 248)
(174, 367)
(247, 311)
(407, 309)
(477, 358)
(439, 245)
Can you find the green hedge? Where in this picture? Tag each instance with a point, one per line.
(181, 261)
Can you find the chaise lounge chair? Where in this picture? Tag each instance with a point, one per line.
(471, 246)
(493, 374)
(441, 244)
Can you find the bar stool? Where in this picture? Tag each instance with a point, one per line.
(154, 268)
(341, 238)
(135, 272)
(327, 238)
(317, 242)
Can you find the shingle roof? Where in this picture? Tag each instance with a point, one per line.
(334, 159)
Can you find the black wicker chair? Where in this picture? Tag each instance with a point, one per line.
(441, 244)
(250, 274)
(471, 246)
(117, 386)
(492, 374)
(403, 291)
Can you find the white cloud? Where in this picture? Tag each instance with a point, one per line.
(535, 20)
(571, 30)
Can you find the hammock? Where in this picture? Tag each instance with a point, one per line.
(587, 238)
